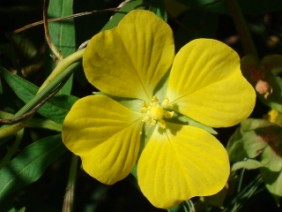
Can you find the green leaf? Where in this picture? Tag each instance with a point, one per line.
(272, 155)
(261, 140)
(135, 4)
(62, 33)
(55, 109)
(24, 46)
(30, 164)
(248, 164)
(273, 181)
(158, 7)
(249, 141)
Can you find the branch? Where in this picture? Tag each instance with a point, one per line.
(76, 15)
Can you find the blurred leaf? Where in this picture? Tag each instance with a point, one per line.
(24, 46)
(158, 7)
(186, 206)
(272, 61)
(246, 142)
(260, 7)
(127, 7)
(8, 55)
(273, 182)
(55, 109)
(211, 5)
(248, 164)
(249, 64)
(272, 155)
(253, 124)
(195, 24)
(274, 100)
(175, 8)
(30, 164)
(62, 33)
(255, 138)
(267, 70)
(23, 209)
(218, 198)
(247, 6)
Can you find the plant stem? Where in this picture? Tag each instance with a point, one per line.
(12, 150)
(250, 190)
(242, 28)
(61, 67)
(51, 45)
(69, 196)
(61, 72)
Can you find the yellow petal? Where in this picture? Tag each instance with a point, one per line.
(105, 134)
(182, 163)
(206, 84)
(130, 60)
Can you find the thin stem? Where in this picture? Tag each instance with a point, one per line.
(64, 18)
(35, 122)
(31, 111)
(69, 195)
(62, 71)
(51, 45)
(241, 180)
(64, 64)
(12, 150)
(242, 28)
(249, 191)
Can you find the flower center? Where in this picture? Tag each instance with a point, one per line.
(155, 112)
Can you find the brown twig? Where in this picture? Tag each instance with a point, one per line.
(33, 110)
(52, 46)
(76, 15)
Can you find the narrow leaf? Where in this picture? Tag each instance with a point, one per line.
(62, 33)
(55, 109)
(137, 4)
(248, 164)
(30, 164)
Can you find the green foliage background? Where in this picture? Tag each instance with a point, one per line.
(37, 172)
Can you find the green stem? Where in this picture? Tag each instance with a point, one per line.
(242, 28)
(64, 64)
(36, 122)
(243, 196)
(61, 72)
(241, 180)
(11, 129)
(12, 150)
(69, 196)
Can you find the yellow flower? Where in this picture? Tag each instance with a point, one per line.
(146, 125)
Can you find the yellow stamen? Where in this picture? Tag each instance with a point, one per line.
(155, 112)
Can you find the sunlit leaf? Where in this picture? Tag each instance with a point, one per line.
(62, 33)
(248, 164)
(30, 164)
